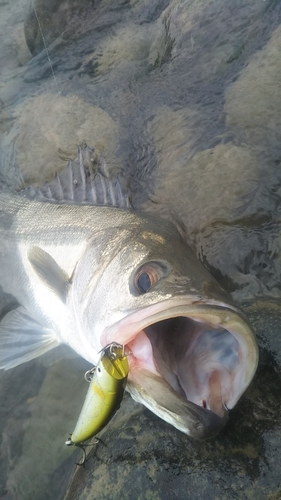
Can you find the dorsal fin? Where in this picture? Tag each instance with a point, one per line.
(83, 182)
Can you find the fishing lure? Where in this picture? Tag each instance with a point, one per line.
(107, 384)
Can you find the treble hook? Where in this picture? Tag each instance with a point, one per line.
(68, 442)
(84, 457)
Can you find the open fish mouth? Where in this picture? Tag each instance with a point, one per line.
(189, 363)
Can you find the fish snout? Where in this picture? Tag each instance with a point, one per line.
(206, 424)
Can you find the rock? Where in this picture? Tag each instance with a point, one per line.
(47, 130)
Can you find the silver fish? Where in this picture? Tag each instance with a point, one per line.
(88, 276)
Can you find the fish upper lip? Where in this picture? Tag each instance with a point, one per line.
(200, 422)
(123, 331)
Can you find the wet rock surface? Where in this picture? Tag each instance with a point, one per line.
(38, 402)
(56, 17)
(184, 98)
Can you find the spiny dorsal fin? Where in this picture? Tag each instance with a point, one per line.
(83, 182)
(49, 271)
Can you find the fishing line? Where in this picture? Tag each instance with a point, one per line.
(46, 48)
(105, 167)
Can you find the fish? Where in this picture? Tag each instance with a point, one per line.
(104, 396)
(87, 270)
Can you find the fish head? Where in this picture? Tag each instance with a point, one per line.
(191, 351)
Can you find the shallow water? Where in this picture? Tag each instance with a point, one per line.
(185, 98)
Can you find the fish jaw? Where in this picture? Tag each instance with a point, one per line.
(189, 361)
(155, 393)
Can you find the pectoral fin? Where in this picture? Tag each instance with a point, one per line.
(49, 271)
(23, 339)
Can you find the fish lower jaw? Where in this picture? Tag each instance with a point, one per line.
(193, 420)
(210, 384)
(213, 395)
(202, 357)
(214, 398)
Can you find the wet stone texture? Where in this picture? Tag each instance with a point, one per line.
(185, 98)
(36, 415)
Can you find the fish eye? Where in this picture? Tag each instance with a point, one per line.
(146, 277)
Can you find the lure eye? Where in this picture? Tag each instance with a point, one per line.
(146, 277)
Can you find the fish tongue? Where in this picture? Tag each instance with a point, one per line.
(215, 400)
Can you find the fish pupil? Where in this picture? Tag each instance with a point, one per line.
(144, 282)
